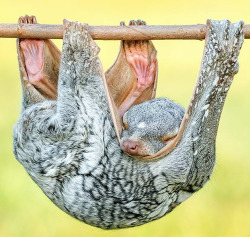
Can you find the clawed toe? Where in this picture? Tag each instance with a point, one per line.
(77, 34)
(137, 22)
(140, 22)
(27, 20)
(134, 23)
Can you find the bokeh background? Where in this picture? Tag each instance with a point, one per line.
(221, 208)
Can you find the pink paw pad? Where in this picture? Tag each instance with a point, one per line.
(137, 57)
(33, 56)
(33, 52)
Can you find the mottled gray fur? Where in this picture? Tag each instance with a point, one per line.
(151, 121)
(69, 146)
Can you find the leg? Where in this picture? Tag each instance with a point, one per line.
(132, 78)
(34, 60)
(144, 67)
(39, 65)
(79, 63)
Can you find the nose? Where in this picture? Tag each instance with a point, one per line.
(131, 147)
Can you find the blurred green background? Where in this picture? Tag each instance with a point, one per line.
(221, 208)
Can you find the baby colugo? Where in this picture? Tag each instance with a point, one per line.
(150, 126)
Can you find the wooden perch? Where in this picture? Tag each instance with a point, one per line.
(148, 32)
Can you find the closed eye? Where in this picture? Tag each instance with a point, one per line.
(125, 121)
(125, 126)
(167, 138)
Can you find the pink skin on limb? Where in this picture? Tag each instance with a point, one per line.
(145, 73)
(33, 51)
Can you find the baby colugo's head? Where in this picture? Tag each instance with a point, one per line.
(150, 126)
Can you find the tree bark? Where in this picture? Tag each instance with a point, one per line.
(147, 32)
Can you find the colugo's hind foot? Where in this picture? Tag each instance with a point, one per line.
(137, 56)
(33, 53)
(143, 64)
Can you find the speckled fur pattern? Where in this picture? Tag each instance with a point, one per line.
(69, 146)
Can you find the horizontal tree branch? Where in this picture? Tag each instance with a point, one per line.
(158, 32)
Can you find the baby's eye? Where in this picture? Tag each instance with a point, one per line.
(125, 125)
(125, 121)
(166, 138)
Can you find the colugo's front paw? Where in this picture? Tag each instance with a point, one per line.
(77, 36)
(224, 48)
(222, 35)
